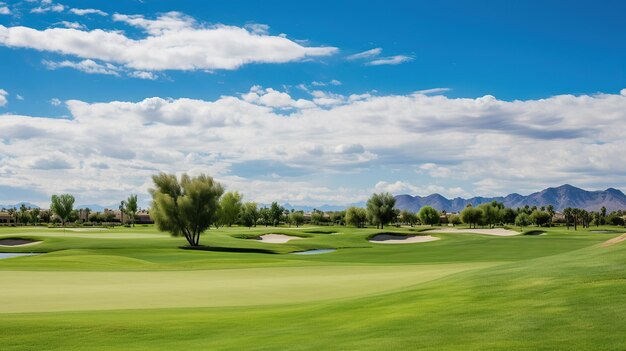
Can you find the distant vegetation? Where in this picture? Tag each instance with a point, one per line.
(190, 206)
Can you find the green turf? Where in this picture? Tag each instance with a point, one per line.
(135, 289)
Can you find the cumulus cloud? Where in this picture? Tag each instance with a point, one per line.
(48, 6)
(55, 102)
(83, 12)
(182, 44)
(4, 10)
(274, 146)
(3, 97)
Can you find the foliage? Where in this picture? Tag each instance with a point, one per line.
(230, 208)
(187, 207)
(296, 218)
(429, 215)
(471, 216)
(62, 206)
(249, 214)
(522, 220)
(380, 208)
(131, 208)
(356, 216)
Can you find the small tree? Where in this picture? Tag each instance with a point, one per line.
(249, 214)
(62, 206)
(522, 220)
(380, 207)
(540, 218)
(187, 207)
(429, 215)
(471, 216)
(356, 216)
(230, 208)
(408, 217)
(296, 218)
(454, 220)
(276, 211)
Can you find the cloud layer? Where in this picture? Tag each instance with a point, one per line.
(182, 43)
(273, 146)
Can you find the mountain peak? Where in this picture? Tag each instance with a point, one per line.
(560, 197)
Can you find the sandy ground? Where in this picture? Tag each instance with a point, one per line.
(401, 239)
(495, 231)
(17, 242)
(277, 238)
(614, 241)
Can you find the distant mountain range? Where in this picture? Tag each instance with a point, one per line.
(561, 197)
(18, 205)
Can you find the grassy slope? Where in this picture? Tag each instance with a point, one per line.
(556, 291)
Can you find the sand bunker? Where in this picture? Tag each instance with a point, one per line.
(401, 239)
(276, 238)
(79, 230)
(614, 241)
(17, 242)
(494, 231)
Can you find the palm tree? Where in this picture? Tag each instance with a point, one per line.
(122, 209)
(11, 212)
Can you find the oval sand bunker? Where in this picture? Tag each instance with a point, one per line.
(17, 242)
(277, 238)
(401, 239)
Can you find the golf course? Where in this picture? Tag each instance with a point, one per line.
(140, 289)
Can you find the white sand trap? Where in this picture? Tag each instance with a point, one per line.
(494, 231)
(277, 238)
(401, 239)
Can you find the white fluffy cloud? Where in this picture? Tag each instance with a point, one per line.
(4, 10)
(272, 145)
(47, 6)
(84, 12)
(3, 97)
(182, 44)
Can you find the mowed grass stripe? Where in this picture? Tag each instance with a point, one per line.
(81, 291)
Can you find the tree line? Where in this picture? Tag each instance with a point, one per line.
(191, 205)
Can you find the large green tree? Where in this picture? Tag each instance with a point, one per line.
(230, 208)
(62, 206)
(187, 207)
(380, 208)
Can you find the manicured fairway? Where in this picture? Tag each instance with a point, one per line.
(135, 289)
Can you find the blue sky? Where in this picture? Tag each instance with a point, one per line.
(310, 104)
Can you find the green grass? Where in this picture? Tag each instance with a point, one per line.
(136, 289)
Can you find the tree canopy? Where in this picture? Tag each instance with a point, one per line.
(230, 208)
(380, 208)
(187, 207)
(429, 215)
(62, 206)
